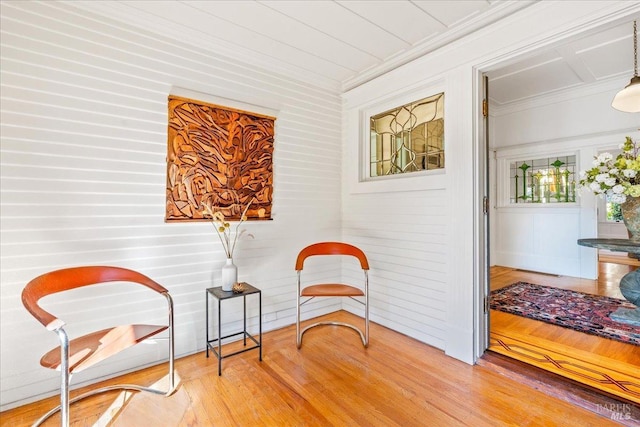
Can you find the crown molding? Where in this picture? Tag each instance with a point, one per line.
(429, 45)
(557, 96)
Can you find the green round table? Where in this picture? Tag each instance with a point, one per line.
(629, 284)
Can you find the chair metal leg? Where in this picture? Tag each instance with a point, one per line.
(348, 325)
(363, 336)
(298, 334)
(366, 308)
(172, 351)
(65, 402)
(65, 377)
(132, 387)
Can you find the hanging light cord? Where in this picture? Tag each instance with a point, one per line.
(635, 50)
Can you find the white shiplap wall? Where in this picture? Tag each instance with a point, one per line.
(83, 170)
(84, 117)
(404, 235)
(405, 223)
(435, 292)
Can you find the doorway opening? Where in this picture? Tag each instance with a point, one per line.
(536, 242)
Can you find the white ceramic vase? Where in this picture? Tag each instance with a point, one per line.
(229, 275)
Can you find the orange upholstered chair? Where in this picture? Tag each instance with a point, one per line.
(82, 352)
(359, 294)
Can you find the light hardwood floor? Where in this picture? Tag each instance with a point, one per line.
(331, 381)
(608, 365)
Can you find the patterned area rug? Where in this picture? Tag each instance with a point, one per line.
(570, 309)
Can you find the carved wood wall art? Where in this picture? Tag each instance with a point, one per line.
(219, 156)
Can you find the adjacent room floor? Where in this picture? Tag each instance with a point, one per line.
(608, 365)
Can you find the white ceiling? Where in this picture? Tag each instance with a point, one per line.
(343, 43)
(595, 58)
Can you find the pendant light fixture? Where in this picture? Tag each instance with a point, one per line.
(628, 99)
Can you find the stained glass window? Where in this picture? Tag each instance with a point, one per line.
(546, 180)
(409, 138)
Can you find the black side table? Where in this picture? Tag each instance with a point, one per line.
(220, 295)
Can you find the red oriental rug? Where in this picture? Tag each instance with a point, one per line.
(570, 309)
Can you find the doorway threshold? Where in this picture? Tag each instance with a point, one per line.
(607, 405)
(615, 377)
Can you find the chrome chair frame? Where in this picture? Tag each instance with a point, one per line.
(56, 325)
(333, 249)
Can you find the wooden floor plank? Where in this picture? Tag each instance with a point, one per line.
(331, 381)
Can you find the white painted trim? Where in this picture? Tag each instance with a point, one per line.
(424, 47)
(575, 142)
(497, 110)
(223, 102)
(462, 207)
(588, 259)
(481, 234)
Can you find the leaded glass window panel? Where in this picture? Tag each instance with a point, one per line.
(409, 138)
(544, 180)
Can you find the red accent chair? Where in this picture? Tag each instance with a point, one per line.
(359, 294)
(85, 351)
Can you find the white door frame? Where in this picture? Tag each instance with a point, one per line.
(481, 237)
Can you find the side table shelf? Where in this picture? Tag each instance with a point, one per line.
(215, 344)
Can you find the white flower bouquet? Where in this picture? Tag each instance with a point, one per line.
(617, 178)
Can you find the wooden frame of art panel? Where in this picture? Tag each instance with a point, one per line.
(219, 156)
